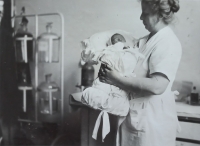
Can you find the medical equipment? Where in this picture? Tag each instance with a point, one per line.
(194, 97)
(48, 93)
(48, 46)
(24, 43)
(36, 68)
(87, 75)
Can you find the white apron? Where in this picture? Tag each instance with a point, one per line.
(152, 120)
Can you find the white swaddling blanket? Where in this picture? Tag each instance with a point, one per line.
(101, 40)
(106, 97)
(98, 95)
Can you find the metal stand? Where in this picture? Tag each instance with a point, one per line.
(24, 89)
(36, 63)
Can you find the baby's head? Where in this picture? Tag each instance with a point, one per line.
(117, 38)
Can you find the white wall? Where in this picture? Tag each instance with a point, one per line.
(86, 17)
(188, 31)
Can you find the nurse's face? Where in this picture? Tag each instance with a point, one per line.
(149, 19)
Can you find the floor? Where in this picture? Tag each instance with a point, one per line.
(29, 134)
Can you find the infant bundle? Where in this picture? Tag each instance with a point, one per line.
(121, 56)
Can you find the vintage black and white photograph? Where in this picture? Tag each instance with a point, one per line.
(100, 72)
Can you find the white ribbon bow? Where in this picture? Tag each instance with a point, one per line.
(105, 127)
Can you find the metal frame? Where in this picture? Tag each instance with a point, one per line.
(36, 59)
(189, 120)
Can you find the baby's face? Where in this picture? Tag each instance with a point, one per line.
(116, 40)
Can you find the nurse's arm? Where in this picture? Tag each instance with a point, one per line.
(156, 84)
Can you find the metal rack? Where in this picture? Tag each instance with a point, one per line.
(36, 16)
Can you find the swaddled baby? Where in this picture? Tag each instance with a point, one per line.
(106, 97)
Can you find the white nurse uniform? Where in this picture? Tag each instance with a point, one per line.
(152, 120)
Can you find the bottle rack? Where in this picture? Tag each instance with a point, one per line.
(24, 90)
(36, 62)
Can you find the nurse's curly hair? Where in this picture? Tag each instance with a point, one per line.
(164, 8)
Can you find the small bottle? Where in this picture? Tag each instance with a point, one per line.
(24, 43)
(87, 75)
(194, 97)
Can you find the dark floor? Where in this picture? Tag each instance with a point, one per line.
(30, 134)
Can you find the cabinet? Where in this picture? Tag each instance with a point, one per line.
(189, 119)
(190, 125)
(178, 143)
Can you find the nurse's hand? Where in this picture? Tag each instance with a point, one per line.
(108, 75)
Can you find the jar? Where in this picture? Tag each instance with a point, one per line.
(194, 97)
(48, 95)
(24, 43)
(48, 45)
(87, 74)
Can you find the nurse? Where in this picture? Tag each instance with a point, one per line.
(152, 119)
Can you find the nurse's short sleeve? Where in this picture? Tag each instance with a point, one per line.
(165, 59)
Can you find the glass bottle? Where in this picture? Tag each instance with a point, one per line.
(24, 43)
(23, 75)
(48, 94)
(194, 97)
(48, 46)
(87, 75)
